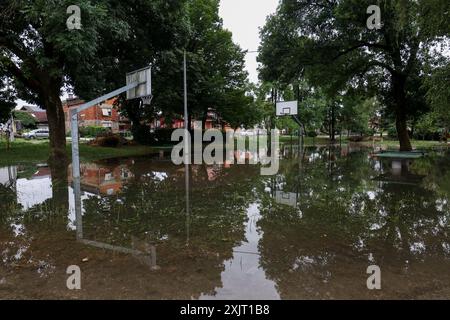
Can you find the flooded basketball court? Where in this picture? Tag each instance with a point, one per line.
(145, 228)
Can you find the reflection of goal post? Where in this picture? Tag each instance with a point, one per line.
(138, 85)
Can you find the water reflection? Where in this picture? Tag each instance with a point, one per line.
(224, 231)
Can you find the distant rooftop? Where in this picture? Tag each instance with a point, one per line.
(30, 108)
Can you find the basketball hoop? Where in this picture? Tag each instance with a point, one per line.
(146, 100)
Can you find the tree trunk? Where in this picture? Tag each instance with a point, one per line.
(57, 128)
(400, 112)
(402, 131)
(204, 118)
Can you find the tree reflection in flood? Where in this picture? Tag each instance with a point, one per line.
(146, 230)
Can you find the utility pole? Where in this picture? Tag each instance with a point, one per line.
(187, 151)
(185, 93)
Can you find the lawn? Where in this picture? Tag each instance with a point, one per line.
(416, 144)
(24, 151)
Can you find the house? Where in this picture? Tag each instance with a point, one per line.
(101, 115)
(37, 113)
(213, 121)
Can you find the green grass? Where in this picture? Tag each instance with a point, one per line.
(416, 144)
(23, 151)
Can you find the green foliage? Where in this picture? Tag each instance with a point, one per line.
(427, 128)
(215, 72)
(40, 56)
(162, 136)
(27, 120)
(92, 131)
(438, 94)
(7, 103)
(329, 44)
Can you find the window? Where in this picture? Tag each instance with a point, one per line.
(106, 112)
(107, 124)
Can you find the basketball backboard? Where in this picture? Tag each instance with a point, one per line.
(286, 198)
(287, 108)
(144, 78)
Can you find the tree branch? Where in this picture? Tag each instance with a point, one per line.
(15, 71)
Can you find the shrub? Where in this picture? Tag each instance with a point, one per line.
(111, 141)
(93, 131)
(311, 134)
(392, 132)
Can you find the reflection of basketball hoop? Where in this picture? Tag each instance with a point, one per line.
(146, 100)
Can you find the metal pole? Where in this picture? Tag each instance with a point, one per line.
(187, 140)
(75, 148)
(185, 92)
(187, 152)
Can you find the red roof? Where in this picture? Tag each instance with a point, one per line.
(40, 116)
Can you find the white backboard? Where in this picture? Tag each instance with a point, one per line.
(287, 108)
(144, 78)
(286, 198)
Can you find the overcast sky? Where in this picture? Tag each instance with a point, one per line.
(243, 18)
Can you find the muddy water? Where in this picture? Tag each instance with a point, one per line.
(148, 229)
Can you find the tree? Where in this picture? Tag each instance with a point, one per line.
(42, 55)
(7, 102)
(426, 125)
(438, 96)
(215, 70)
(27, 120)
(330, 42)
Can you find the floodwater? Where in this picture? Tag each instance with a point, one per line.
(145, 228)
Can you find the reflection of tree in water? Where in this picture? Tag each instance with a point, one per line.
(151, 208)
(19, 228)
(346, 221)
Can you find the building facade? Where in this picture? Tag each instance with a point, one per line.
(102, 115)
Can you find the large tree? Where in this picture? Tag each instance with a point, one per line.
(42, 55)
(331, 43)
(215, 70)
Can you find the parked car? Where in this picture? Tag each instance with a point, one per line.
(37, 134)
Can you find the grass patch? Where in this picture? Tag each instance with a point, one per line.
(416, 144)
(24, 151)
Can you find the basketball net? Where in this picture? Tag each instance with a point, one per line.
(146, 100)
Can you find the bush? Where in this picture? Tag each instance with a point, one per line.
(392, 132)
(111, 141)
(311, 134)
(93, 131)
(143, 135)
